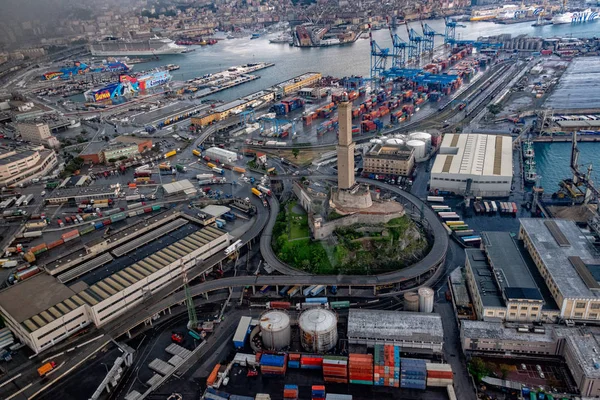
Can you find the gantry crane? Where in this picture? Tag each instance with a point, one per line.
(429, 38)
(416, 43)
(450, 34)
(379, 58)
(399, 47)
(189, 300)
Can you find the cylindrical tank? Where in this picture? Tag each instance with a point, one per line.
(395, 142)
(384, 138)
(426, 299)
(419, 147)
(411, 301)
(422, 136)
(275, 329)
(318, 330)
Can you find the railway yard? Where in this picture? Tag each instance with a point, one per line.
(144, 258)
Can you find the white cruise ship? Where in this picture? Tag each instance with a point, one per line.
(148, 47)
(575, 17)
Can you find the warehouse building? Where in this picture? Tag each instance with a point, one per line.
(92, 296)
(222, 155)
(569, 264)
(184, 187)
(123, 146)
(232, 108)
(22, 166)
(414, 332)
(78, 194)
(473, 163)
(389, 159)
(579, 347)
(295, 84)
(502, 285)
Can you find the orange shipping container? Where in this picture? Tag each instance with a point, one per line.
(132, 185)
(38, 247)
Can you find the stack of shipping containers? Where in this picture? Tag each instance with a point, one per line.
(439, 375)
(290, 392)
(273, 365)
(318, 392)
(311, 362)
(294, 360)
(413, 373)
(360, 369)
(387, 365)
(335, 369)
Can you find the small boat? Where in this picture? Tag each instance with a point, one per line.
(528, 151)
(255, 36)
(173, 67)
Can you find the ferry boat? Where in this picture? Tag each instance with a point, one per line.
(484, 15)
(112, 46)
(282, 39)
(575, 17)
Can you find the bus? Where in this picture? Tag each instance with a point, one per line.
(336, 305)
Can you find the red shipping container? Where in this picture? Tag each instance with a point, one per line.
(55, 244)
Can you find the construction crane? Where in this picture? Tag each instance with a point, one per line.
(450, 34)
(416, 43)
(379, 58)
(398, 49)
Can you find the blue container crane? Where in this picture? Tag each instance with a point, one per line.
(429, 38)
(379, 58)
(416, 43)
(450, 35)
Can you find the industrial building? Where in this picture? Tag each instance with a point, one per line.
(179, 187)
(123, 146)
(389, 159)
(568, 262)
(475, 164)
(501, 284)
(42, 310)
(37, 133)
(77, 194)
(295, 84)
(222, 155)
(579, 347)
(232, 108)
(578, 125)
(21, 166)
(414, 332)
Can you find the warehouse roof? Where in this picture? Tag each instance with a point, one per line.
(474, 154)
(183, 186)
(230, 105)
(490, 294)
(497, 330)
(394, 325)
(508, 264)
(566, 253)
(20, 302)
(579, 124)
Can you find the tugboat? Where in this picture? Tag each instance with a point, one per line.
(530, 172)
(528, 151)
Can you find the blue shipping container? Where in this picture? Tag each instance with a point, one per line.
(319, 300)
(272, 360)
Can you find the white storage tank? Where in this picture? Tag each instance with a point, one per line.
(275, 329)
(318, 330)
(400, 136)
(411, 301)
(422, 136)
(383, 138)
(420, 149)
(426, 295)
(395, 142)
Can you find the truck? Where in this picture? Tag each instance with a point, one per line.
(196, 153)
(144, 167)
(180, 168)
(317, 290)
(135, 197)
(279, 305)
(233, 247)
(229, 216)
(170, 153)
(241, 333)
(256, 192)
(202, 177)
(218, 170)
(265, 190)
(44, 369)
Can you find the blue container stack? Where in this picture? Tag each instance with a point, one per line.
(273, 365)
(215, 394)
(413, 373)
(318, 392)
(238, 397)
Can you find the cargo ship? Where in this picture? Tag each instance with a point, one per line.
(119, 47)
(575, 17)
